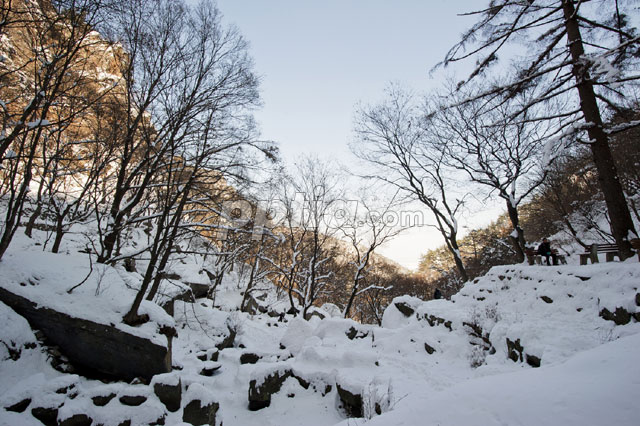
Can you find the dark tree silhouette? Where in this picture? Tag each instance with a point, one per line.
(584, 52)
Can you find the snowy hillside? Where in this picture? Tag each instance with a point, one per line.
(471, 360)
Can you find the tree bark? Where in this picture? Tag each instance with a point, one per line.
(619, 214)
(28, 230)
(352, 297)
(59, 235)
(455, 251)
(518, 241)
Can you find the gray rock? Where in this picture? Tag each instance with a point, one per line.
(514, 350)
(352, 403)
(209, 371)
(547, 299)
(404, 308)
(102, 400)
(228, 341)
(19, 407)
(430, 350)
(132, 400)
(197, 414)
(434, 320)
(47, 415)
(317, 314)
(620, 316)
(97, 347)
(169, 395)
(199, 290)
(130, 264)
(249, 358)
(354, 333)
(533, 360)
(209, 355)
(77, 420)
(253, 307)
(260, 396)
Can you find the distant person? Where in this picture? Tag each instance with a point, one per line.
(544, 249)
(437, 294)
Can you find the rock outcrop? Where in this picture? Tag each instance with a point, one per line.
(99, 348)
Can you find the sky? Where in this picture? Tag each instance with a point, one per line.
(319, 59)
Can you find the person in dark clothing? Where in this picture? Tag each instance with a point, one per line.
(544, 249)
(437, 294)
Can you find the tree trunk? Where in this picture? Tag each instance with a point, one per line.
(245, 297)
(107, 247)
(132, 317)
(518, 240)
(32, 220)
(354, 291)
(621, 223)
(455, 251)
(59, 235)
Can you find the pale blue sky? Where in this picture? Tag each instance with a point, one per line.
(318, 59)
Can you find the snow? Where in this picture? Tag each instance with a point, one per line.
(45, 278)
(392, 318)
(297, 333)
(596, 387)
(198, 392)
(588, 373)
(38, 123)
(15, 332)
(169, 379)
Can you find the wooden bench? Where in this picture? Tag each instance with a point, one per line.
(610, 250)
(535, 259)
(532, 256)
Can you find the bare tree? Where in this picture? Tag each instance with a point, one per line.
(197, 125)
(45, 88)
(392, 139)
(366, 229)
(494, 149)
(577, 50)
(307, 198)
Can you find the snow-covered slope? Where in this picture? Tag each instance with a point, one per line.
(596, 387)
(469, 360)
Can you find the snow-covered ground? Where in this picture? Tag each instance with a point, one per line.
(471, 360)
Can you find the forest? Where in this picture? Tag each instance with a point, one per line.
(141, 206)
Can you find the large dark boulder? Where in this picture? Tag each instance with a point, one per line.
(200, 409)
(404, 308)
(102, 400)
(249, 358)
(168, 389)
(620, 316)
(77, 420)
(351, 402)
(132, 400)
(228, 340)
(199, 290)
(96, 347)
(260, 393)
(533, 360)
(253, 307)
(434, 321)
(514, 350)
(197, 413)
(47, 415)
(430, 349)
(19, 406)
